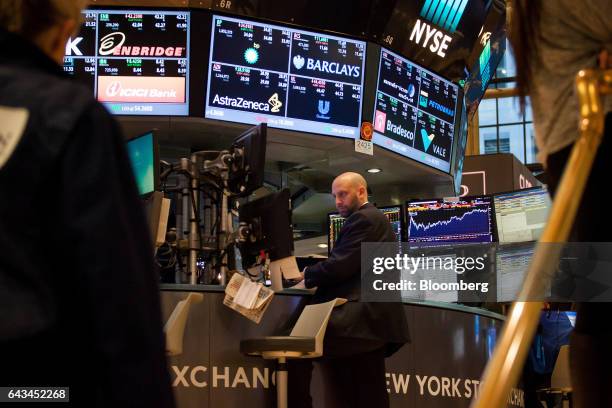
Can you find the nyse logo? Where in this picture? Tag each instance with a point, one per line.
(445, 14)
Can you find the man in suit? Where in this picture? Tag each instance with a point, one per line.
(360, 334)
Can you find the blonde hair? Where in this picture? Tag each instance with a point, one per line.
(31, 18)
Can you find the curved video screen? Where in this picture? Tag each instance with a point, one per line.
(135, 61)
(415, 111)
(290, 79)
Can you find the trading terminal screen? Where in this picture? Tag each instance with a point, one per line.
(290, 79)
(141, 151)
(415, 111)
(136, 62)
(336, 221)
(434, 222)
(521, 215)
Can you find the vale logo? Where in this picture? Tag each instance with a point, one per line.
(298, 61)
(427, 139)
(444, 13)
(323, 109)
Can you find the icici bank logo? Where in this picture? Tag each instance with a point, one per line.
(109, 42)
(113, 89)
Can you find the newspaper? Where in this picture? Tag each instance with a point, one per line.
(263, 298)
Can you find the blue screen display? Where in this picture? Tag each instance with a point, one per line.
(438, 221)
(135, 62)
(290, 79)
(414, 112)
(141, 152)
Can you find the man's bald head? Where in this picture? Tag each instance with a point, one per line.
(350, 191)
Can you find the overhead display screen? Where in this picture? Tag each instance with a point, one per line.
(415, 112)
(287, 78)
(136, 62)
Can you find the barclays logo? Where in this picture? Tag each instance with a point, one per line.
(298, 61)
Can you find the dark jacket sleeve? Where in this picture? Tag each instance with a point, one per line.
(344, 261)
(112, 260)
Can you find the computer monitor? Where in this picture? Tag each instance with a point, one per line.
(143, 152)
(439, 221)
(335, 222)
(395, 215)
(248, 171)
(511, 263)
(270, 221)
(521, 215)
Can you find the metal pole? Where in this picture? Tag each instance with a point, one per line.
(503, 370)
(222, 238)
(194, 242)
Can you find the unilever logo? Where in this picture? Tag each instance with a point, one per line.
(444, 13)
(298, 61)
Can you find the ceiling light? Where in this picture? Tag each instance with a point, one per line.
(322, 245)
(374, 170)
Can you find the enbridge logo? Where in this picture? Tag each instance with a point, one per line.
(113, 44)
(444, 13)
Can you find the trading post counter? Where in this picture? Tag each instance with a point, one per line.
(441, 367)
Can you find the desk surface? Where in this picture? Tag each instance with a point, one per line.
(301, 292)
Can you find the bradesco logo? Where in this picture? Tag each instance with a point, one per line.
(112, 44)
(379, 125)
(334, 68)
(445, 14)
(272, 105)
(141, 89)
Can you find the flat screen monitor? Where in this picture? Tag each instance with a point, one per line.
(436, 222)
(414, 113)
(250, 174)
(135, 61)
(521, 215)
(335, 222)
(511, 263)
(270, 221)
(288, 78)
(144, 159)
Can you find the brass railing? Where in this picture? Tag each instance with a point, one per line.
(503, 370)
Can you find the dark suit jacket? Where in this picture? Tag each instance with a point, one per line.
(340, 276)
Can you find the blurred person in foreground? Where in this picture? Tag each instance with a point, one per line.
(79, 303)
(552, 41)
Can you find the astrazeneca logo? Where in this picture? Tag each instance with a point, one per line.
(326, 66)
(273, 104)
(109, 42)
(445, 14)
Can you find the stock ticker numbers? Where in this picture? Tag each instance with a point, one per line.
(415, 111)
(290, 79)
(136, 62)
